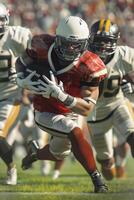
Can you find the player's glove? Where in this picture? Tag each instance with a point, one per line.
(127, 88)
(50, 87)
(27, 82)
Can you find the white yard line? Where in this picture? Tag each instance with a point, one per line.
(45, 193)
(129, 193)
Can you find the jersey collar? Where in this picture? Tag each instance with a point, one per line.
(61, 71)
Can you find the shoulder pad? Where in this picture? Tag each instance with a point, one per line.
(20, 34)
(93, 64)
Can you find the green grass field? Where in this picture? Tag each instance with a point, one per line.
(74, 183)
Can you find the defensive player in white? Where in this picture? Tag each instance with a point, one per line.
(111, 109)
(13, 41)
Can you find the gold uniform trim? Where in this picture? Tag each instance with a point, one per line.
(130, 108)
(107, 26)
(104, 25)
(101, 24)
(11, 119)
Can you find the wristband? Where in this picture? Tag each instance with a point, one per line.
(68, 100)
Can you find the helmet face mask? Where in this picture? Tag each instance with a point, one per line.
(68, 49)
(71, 40)
(103, 46)
(103, 38)
(4, 19)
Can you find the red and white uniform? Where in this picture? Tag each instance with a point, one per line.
(88, 70)
(51, 115)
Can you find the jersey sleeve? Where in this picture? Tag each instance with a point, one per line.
(127, 60)
(37, 53)
(21, 39)
(40, 45)
(94, 69)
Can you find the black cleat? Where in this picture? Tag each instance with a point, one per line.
(99, 185)
(130, 141)
(31, 156)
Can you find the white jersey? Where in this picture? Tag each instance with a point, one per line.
(111, 94)
(111, 110)
(12, 44)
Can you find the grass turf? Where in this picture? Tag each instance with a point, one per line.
(74, 183)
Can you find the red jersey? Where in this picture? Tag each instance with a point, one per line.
(89, 70)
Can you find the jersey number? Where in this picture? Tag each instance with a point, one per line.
(5, 63)
(111, 89)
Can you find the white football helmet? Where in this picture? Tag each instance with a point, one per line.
(71, 40)
(4, 18)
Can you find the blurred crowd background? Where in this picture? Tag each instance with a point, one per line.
(42, 16)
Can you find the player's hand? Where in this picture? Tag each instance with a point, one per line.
(27, 82)
(50, 87)
(127, 88)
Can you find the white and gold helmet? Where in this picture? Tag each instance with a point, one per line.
(72, 36)
(4, 18)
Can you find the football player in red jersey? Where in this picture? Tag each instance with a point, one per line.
(64, 76)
